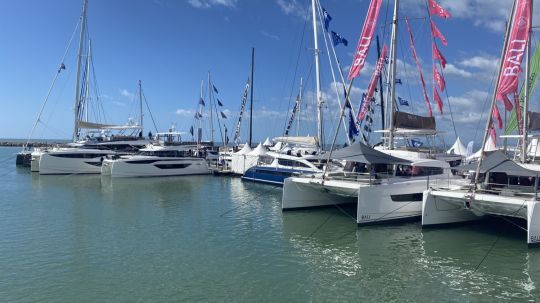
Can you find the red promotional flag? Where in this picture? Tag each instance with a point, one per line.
(426, 98)
(438, 78)
(437, 33)
(436, 9)
(438, 56)
(437, 99)
(364, 42)
(515, 51)
(497, 116)
(373, 83)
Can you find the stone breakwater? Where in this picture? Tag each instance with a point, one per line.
(32, 144)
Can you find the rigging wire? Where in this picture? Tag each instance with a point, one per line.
(300, 48)
(53, 83)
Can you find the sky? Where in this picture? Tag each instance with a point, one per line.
(173, 45)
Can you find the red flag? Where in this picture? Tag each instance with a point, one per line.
(426, 98)
(493, 134)
(515, 51)
(438, 78)
(437, 33)
(438, 56)
(365, 39)
(373, 83)
(497, 116)
(436, 9)
(437, 99)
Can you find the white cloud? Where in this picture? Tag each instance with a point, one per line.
(126, 93)
(268, 35)
(481, 62)
(490, 14)
(453, 70)
(185, 113)
(294, 8)
(210, 3)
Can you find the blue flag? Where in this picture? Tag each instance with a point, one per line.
(219, 103)
(191, 130)
(353, 131)
(223, 115)
(337, 39)
(403, 101)
(215, 89)
(201, 102)
(416, 143)
(327, 19)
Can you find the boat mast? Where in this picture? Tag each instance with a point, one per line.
(298, 107)
(87, 84)
(141, 105)
(79, 61)
(380, 85)
(211, 114)
(251, 96)
(391, 91)
(317, 78)
(489, 121)
(527, 91)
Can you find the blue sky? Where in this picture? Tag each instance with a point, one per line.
(171, 45)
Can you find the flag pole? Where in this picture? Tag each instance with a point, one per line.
(489, 122)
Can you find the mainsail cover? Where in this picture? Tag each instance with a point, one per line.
(410, 121)
(92, 125)
(310, 141)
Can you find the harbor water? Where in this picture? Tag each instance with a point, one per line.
(205, 238)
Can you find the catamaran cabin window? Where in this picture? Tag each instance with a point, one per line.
(286, 162)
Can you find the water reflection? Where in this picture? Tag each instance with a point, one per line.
(478, 260)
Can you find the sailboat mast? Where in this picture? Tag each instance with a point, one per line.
(211, 114)
(380, 85)
(298, 107)
(494, 97)
(251, 97)
(527, 91)
(87, 84)
(141, 104)
(79, 61)
(317, 77)
(391, 92)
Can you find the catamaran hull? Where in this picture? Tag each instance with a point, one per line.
(306, 193)
(156, 168)
(384, 203)
(34, 161)
(444, 207)
(52, 165)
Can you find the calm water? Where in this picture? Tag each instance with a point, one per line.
(93, 239)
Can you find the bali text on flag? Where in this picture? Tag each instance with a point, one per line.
(515, 51)
(366, 37)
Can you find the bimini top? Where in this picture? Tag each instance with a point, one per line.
(498, 162)
(359, 152)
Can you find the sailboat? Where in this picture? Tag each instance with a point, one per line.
(92, 141)
(298, 154)
(385, 183)
(499, 186)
